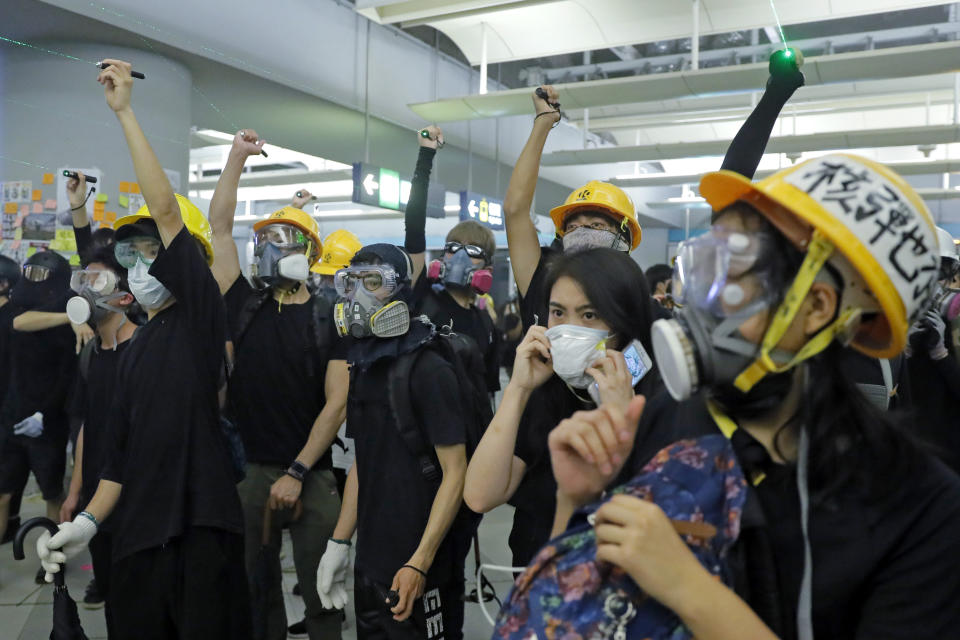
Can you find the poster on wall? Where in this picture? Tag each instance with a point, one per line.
(40, 227)
(17, 191)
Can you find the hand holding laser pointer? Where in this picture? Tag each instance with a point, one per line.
(248, 142)
(135, 74)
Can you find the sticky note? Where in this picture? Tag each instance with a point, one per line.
(50, 204)
(37, 195)
(48, 178)
(99, 206)
(110, 216)
(31, 251)
(123, 201)
(75, 260)
(134, 187)
(10, 207)
(98, 215)
(37, 207)
(124, 187)
(102, 197)
(15, 244)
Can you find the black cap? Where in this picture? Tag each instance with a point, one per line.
(388, 254)
(145, 227)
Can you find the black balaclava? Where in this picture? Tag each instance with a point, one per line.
(50, 294)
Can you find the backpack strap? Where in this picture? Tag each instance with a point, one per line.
(399, 392)
(250, 308)
(86, 355)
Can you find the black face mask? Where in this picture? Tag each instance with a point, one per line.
(766, 395)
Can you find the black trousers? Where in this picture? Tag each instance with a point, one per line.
(101, 554)
(438, 615)
(192, 588)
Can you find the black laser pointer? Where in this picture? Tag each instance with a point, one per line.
(135, 74)
(73, 174)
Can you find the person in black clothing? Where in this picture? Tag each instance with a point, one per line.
(598, 298)
(288, 389)
(41, 368)
(511, 333)
(933, 367)
(448, 295)
(177, 540)
(412, 535)
(9, 275)
(849, 530)
(658, 279)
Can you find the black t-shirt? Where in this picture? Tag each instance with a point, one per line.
(935, 389)
(6, 318)
(534, 305)
(395, 498)
(42, 366)
(167, 448)
(887, 569)
(476, 323)
(92, 403)
(277, 384)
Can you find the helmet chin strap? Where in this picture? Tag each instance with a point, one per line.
(819, 251)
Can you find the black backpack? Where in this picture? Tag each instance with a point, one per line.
(465, 357)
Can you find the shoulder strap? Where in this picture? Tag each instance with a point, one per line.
(86, 355)
(398, 389)
(250, 308)
(318, 321)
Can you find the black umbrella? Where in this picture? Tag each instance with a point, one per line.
(66, 621)
(266, 571)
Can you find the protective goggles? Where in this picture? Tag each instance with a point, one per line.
(719, 272)
(143, 248)
(36, 272)
(371, 279)
(101, 281)
(472, 250)
(284, 236)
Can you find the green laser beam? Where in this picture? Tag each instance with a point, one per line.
(23, 162)
(776, 17)
(45, 50)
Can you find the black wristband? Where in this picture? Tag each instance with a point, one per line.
(555, 124)
(297, 470)
(410, 566)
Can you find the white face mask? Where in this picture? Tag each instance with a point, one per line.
(149, 292)
(574, 349)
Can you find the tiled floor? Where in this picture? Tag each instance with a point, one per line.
(26, 608)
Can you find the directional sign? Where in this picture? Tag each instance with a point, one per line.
(384, 188)
(486, 211)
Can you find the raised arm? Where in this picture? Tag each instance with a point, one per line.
(522, 240)
(154, 183)
(77, 194)
(746, 150)
(223, 206)
(415, 218)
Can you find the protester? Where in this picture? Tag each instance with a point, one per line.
(42, 366)
(448, 295)
(796, 276)
(599, 304)
(410, 540)
(658, 279)
(178, 546)
(9, 275)
(288, 389)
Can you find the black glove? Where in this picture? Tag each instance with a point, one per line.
(785, 75)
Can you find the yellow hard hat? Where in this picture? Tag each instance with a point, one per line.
(603, 196)
(338, 249)
(193, 219)
(299, 219)
(879, 235)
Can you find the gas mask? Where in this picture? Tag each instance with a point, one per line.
(584, 237)
(573, 350)
(281, 253)
(459, 271)
(720, 285)
(96, 289)
(364, 308)
(947, 302)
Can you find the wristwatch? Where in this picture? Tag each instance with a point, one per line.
(297, 470)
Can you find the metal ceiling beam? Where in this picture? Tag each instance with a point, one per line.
(428, 17)
(897, 62)
(274, 178)
(902, 168)
(900, 137)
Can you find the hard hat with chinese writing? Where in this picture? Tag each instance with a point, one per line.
(605, 198)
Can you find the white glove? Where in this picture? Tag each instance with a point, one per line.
(31, 427)
(72, 538)
(332, 575)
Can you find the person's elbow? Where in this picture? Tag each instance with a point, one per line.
(476, 496)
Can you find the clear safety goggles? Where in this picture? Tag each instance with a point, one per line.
(371, 279)
(144, 248)
(36, 272)
(472, 250)
(102, 281)
(284, 236)
(720, 271)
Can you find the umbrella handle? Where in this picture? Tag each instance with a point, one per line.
(21, 534)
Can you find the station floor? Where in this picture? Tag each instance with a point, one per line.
(26, 609)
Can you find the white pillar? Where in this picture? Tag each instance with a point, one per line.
(483, 58)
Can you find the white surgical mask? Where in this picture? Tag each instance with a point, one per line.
(149, 292)
(573, 350)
